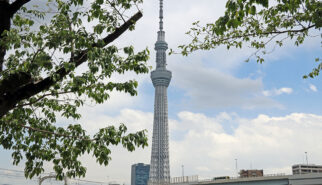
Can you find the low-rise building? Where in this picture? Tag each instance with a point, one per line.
(251, 173)
(306, 168)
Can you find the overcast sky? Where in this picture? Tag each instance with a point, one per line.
(220, 108)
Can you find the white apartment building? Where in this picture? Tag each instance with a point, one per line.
(306, 168)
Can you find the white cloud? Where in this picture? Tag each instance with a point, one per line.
(204, 147)
(269, 143)
(135, 120)
(276, 92)
(208, 87)
(203, 168)
(119, 169)
(313, 88)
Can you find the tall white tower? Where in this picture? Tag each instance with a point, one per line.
(161, 77)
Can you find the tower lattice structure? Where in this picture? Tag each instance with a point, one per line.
(161, 77)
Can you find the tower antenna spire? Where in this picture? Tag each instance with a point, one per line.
(161, 15)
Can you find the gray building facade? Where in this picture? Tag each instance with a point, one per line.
(306, 168)
(140, 174)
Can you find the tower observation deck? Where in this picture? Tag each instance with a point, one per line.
(161, 77)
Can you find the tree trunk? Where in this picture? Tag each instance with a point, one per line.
(4, 25)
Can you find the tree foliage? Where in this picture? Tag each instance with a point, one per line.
(258, 24)
(42, 45)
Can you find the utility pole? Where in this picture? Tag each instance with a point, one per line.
(307, 161)
(236, 167)
(182, 166)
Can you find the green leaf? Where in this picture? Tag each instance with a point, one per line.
(258, 25)
(72, 65)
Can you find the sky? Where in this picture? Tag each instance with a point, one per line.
(220, 108)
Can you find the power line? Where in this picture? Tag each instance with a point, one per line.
(22, 176)
(4, 169)
(97, 182)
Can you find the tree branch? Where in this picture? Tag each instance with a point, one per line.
(4, 25)
(15, 6)
(6, 13)
(42, 97)
(9, 100)
(54, 133)
(265, 33)
(119, 31)
(115, 9)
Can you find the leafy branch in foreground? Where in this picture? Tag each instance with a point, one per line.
(258, 25)
(42, 48)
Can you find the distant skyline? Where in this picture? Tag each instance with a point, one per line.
(220, 108)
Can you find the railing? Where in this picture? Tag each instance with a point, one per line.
(236, 178)
(184, 179)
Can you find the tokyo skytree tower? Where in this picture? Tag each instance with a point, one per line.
(161, 77)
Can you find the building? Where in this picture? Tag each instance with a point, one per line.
(140, 174)
(161, 77)
(306, 168)
(251, 173)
